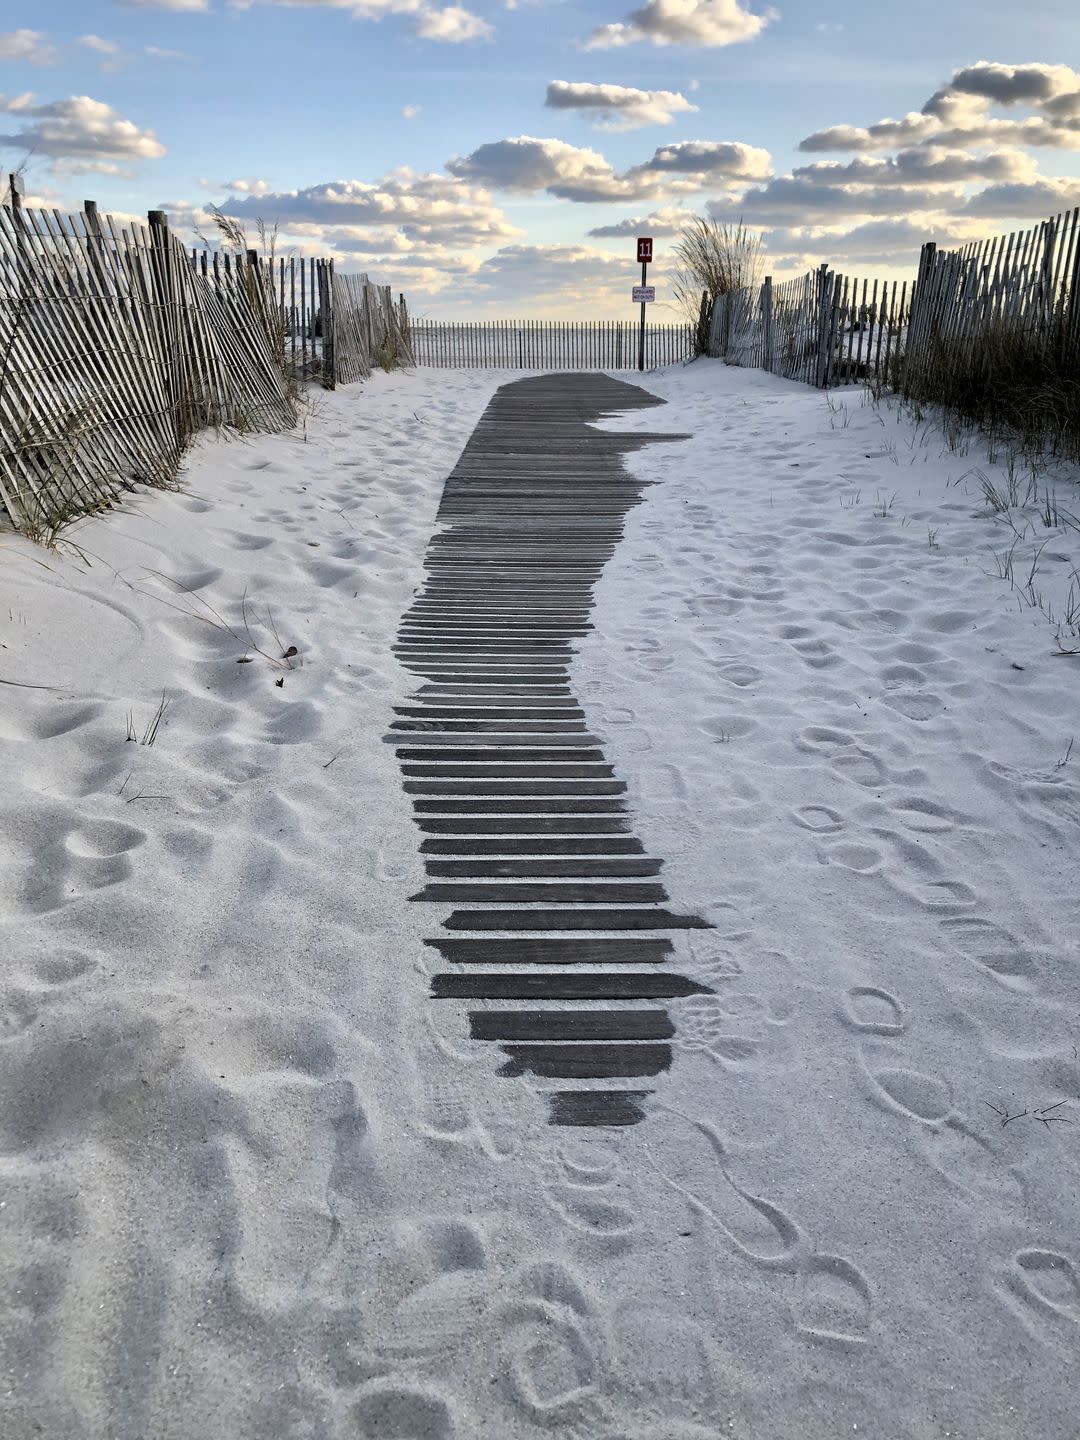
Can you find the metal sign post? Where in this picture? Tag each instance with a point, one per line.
(644, 255)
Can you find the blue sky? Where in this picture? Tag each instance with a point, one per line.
(497, 159)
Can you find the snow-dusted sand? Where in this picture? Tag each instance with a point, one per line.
(254, 1182)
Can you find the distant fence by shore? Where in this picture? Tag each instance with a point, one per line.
(990, 331)
(117, 346)
(548, 344)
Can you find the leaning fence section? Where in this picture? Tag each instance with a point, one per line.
(548, 344)
(117, 345)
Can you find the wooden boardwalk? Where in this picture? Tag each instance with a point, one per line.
(558, 924)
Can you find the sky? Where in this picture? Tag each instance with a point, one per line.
(497, 158)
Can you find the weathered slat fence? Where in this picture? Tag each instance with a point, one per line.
(990, 331)
(548, 344)
(823, 329)
(995, 326)
(117, 345)
(335, 328)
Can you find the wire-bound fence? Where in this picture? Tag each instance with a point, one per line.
(823, 328)
(549, 344)
(990, 331)
(369, 329)
(117, 345)
(994, 334)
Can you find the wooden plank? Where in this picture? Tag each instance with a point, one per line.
(623, 951)
(584, 1025)
(587, 1061)
(645, 917)
(597, 1107)
(564, 985)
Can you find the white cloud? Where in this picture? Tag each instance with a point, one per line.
(1031, 201)
(452, 25)
(618, 107)
(248, 185)
(527, 165)
(447, 24)
(410, 112)
(112, 56)
(683, 22)
(1015, 84)
(788, 200)
(959, 114)
(710, 159)
(922, 166)
(403, 212)
(200, 6)
(30, 46)
(81, 132)
(671, 220)
(96, 43)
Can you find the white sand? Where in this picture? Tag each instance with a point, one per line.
(255, 1183)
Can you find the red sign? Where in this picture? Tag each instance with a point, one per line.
(644, 249)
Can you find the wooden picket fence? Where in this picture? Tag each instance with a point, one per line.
(335, 328)
(1024, 284)
(549, 344)
(826, 328)
(117, 345)
(822, 328)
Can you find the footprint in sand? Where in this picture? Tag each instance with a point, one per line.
(590, 1212)
(1044, 1290)
(550, 1367)
(819, 819)
(909, 1093)
(65, 967)
(862, 859)
(915, 704)
(737, 673)
(998, 951)
(923, 816)
(758, 1230)
(439, 1281)
(832, 1304)
(862, 767)
(717, 1026)
(824, 741)
(872, 1011)
(388, 1410)
(294, 723)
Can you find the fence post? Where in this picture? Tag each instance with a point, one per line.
(323, 283)
(1046, 273)
(95, 243)
(165, 319)
(824, 321)
(766, 324)
(1070, 310)
(918, 314)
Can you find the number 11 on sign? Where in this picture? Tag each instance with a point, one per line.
(644, 255)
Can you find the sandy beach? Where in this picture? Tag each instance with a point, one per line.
(255, 1182)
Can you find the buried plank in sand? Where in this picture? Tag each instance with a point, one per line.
(259, 1180)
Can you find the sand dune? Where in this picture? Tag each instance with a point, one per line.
(255, 1182)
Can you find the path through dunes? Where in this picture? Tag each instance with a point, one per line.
(531, 513)
(262, 1173)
